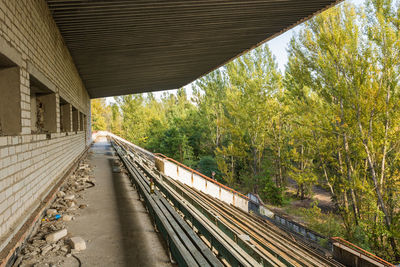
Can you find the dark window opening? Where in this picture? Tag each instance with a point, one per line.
(10, 98)
(75, 119)
(43, 108)
(65, 116)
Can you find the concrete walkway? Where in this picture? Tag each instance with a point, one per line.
(115, 221)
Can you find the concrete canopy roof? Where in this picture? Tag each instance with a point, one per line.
(132, 46)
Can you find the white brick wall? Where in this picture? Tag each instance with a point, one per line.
(30, 164)
(27, 169)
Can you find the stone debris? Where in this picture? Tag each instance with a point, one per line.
(67, 218)
(46, 249)
(69, 197)
(78, 243)
(50, 212)
(84, 167)
(55, 236)
(71, 209)
(50, 244)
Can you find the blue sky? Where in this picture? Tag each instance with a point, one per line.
(279, 44)
(278, 47)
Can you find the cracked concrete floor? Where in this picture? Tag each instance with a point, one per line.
(116, 226)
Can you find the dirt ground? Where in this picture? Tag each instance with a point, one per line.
(319, 194)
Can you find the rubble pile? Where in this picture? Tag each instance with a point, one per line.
(51, 242)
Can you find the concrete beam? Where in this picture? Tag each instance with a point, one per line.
(39, 77)
(10, 56)
(167, 44)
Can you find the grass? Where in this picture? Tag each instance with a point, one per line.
(327, 224)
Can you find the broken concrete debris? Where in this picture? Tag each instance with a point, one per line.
(69, 197)
(78, 243)
(60, 194)
(46, 249)
(50, 243)
(67, 217)
(51, 212)
(55, 236)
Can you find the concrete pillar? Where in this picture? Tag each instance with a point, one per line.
(89, 126)
(33, 112)
(81, 122)
(84, 122)
(10, 101)
(58, 114)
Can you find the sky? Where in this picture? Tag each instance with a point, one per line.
(278, 47)
(279, 44)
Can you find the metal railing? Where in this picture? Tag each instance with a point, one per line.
(362, 252)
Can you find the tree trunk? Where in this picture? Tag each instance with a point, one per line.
(376, 185)
(348, 165)
(327, 180)
(345, 211)
(280, 175)
(385, 138)
(255, 157)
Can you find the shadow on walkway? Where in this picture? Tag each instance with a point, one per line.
(140, 249)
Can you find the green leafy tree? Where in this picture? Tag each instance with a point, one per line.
(349, 62)
(253, 85)
(99, 114)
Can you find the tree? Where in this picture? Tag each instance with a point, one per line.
(253, 83)
(210, 93)
(99, 114)
(351, 72)
(116, 120)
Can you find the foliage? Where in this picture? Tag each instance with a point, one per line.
(327, 224)
(272, 193)
(331, 119)
(207, 166)
(99, 114)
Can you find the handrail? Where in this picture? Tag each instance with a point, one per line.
(366, 253)
(202, 175)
